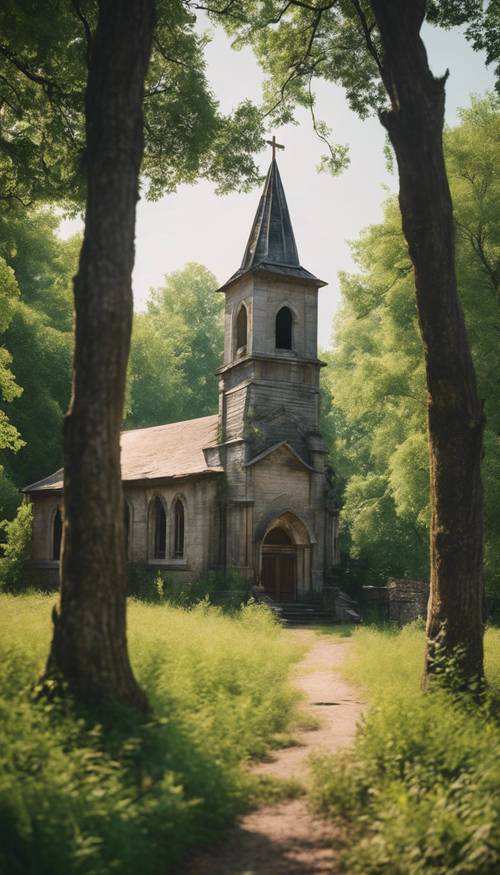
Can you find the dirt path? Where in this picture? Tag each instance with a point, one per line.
(287, 839)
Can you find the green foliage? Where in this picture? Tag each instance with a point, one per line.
(421, 784)
(176, 347)
(39, 338)
(376, 378)
(44, 54)
(228, 591)
(297, 43)
(124, 796)
(16, 549)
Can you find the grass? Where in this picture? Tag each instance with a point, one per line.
(420, 788)
(123, 797)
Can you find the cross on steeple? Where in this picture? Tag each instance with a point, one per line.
(274, 146)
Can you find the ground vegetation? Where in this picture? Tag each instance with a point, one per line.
(99, 792)
(419, 788)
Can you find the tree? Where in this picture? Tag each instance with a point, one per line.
(374, 49)
(376, 377)
(176, 347)
(39, 338)
(89, 646)
(10, 439)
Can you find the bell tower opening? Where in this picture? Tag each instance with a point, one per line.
(284, 328)
(241, 331)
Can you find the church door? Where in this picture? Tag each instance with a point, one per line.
(279, 566)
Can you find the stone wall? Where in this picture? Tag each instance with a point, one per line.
(407, 600)
(401, 601)
(199, 498)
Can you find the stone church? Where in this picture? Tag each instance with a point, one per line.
(247, 489)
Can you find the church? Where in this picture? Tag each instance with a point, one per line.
(248, 489)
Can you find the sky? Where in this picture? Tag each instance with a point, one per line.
(195, 224)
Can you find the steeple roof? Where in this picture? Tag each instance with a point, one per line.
(271, 246)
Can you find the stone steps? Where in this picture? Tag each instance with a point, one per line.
(302, 614)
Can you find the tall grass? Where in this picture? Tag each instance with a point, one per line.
(121, 796)
(421, 786)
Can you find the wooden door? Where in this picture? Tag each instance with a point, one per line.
(279, 575)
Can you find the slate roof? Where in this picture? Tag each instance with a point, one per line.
(157, 453)
(271, 246)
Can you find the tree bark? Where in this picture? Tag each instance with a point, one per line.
(89, 646)
(455, 415)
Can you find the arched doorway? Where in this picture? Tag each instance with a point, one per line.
(279, 565)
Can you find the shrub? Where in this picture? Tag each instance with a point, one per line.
(115, 795)
(16, 549)
(421, 784)
(228, 591)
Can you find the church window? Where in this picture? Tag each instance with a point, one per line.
(241, 329)
(57, 535)
(284, 328)
(178, 529)
(159, 530)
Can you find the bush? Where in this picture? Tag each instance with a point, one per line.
(87, 797)
(16, 549)
(421, 784)
(229, 591)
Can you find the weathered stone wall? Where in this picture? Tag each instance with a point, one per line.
(407, 600)
(198, 496)
(401, 601)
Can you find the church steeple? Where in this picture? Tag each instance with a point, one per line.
(271, 240)
(271, 246)
(269, 381)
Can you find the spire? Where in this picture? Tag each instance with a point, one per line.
(271, 247)
(271, 239)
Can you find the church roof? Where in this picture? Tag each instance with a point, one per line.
(157, 453)
(271, 247)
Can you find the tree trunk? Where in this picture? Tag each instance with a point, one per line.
(455, 416)
(89, 645)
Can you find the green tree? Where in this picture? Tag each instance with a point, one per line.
(376, 376)
(17, 548)
(10, 439)
(39, 337)
(176, 347)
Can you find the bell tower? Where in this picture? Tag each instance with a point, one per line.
(269, 380)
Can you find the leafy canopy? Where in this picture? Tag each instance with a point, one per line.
(44, 54)
(299, 41)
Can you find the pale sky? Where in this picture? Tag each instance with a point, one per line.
(195, 224)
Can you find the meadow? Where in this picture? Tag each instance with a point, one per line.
(96, 795)
(421, 787)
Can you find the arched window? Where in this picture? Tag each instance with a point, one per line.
(241, 329)
(57, 535)
(126, 525)
(284, 322)
(178, 529)
(159, 529)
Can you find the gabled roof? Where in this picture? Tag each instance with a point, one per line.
(271, 247)
(270, 450)
(161, 452)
